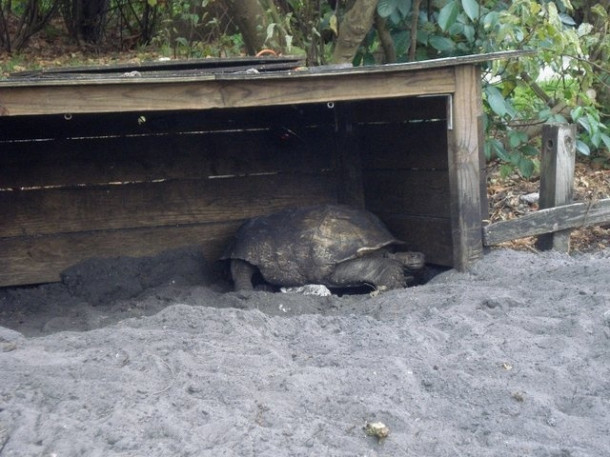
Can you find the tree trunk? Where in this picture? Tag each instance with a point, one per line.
(353, 28)
(250, 18)
(385, 38)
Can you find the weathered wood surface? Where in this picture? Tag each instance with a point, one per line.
(174, 66)
(557, 178)
(465, 174)
(139, 188)
(139, 205)
(185, 94)
(85, 125)
(548, 220)
(428, 234)
(399, 110)
(31, 260)
(416, 145)
(35, 97)
(78, 162)
(413, 192)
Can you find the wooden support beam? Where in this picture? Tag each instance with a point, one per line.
(110, 96)
(465, 175)
(548, 220)
(557, 178)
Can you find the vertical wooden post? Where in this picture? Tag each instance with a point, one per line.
(557, 178)
(466, 179)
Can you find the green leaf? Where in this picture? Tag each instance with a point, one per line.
(529, 150)
(606, 140)
(515, 138)
(402, 41)
(448, 15)
(585, 123)
(441, 44)
(600, 11)
(270, 30)
(584, 29)
(596, 139)
(558, 118)
(577, 112)
(582, 148)
(404, 6)
(469, 33)
(526, 167)
(566, 20)
(386, 7)
(472, 9)
(500, 151)
(506, 170)
(495, 100)
(490, 20)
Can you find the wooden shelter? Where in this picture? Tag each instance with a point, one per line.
(132, 161)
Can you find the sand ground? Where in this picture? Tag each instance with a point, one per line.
(153, 357)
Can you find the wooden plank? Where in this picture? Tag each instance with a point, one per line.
(58, 126)
(32, 260)
(166, 203)
(464, 168)
(548, 220)
(75, 162)
(224, 63)
(399, 109)
(557, 178)
(432, 65)
(196, 94)
(421, 145)
(432, 236)
(408, 192)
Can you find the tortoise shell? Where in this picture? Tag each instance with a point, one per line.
(303, 245)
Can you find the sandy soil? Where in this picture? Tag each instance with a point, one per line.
(153, 357)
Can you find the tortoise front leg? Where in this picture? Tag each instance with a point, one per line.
(241, 273)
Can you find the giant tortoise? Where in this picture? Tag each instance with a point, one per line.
(334, 245)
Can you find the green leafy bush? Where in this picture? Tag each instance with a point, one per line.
(561, 82)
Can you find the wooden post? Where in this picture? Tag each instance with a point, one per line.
(557, 178)
(465, 177)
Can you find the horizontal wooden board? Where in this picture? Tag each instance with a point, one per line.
(548, 220)
(166, 66)
(58, 126)
(404, 145)
(399, 109)
(146, 158)
(32, 260)
(133, 95)
(166, 203)
(408, 192)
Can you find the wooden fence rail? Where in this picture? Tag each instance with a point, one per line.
(558, 215)
(548, 220)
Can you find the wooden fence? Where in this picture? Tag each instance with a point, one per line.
(557, 215)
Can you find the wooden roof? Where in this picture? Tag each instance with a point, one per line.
(222, 83)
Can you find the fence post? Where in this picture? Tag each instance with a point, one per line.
(557, 178)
